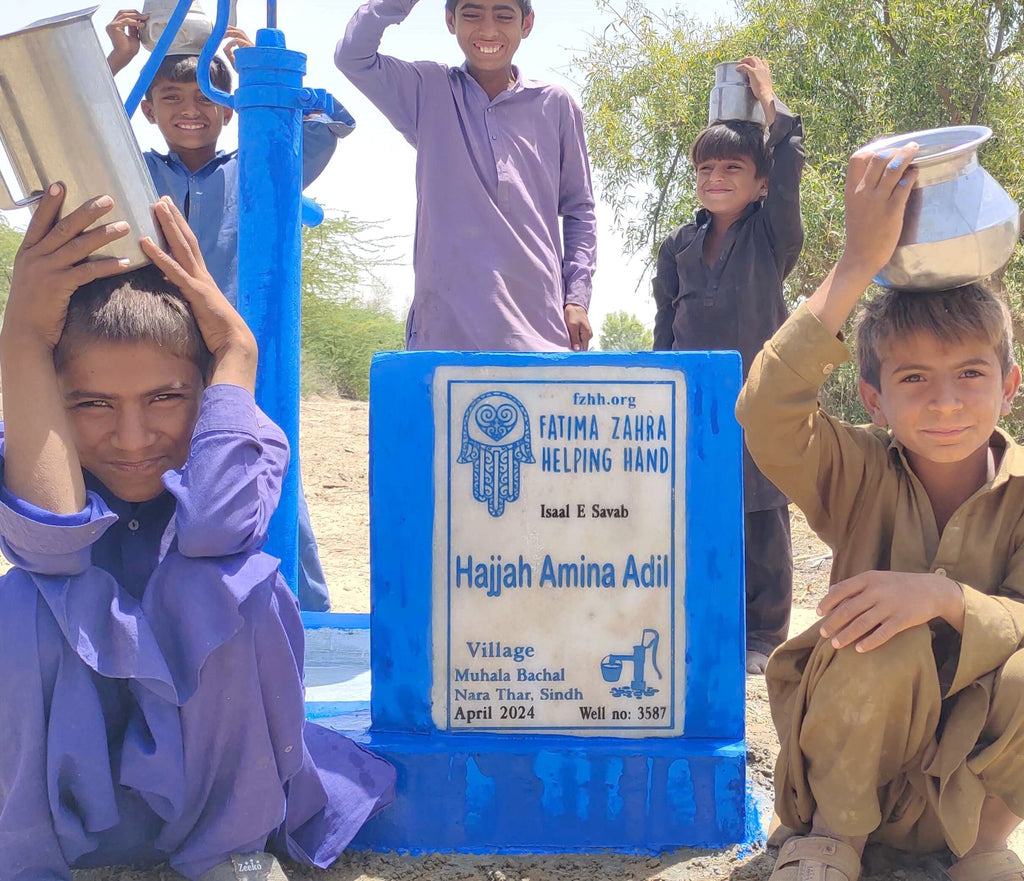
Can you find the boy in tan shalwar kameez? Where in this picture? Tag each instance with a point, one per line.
(901, 714)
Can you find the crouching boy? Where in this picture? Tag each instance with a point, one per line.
(901, 714)
(151, 697)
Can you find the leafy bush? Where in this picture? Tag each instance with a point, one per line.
(345, 314)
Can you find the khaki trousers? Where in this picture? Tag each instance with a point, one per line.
(868, 742)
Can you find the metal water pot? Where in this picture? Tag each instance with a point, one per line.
(960, 225)
(195, 30)
(61, 119)
(731, 98)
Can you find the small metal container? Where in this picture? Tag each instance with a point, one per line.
(731, 98)
(961, 226)
(195, 30)
(61, 119)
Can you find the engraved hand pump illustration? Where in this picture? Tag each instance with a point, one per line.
(611, 667)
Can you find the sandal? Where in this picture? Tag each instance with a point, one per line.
(816, 858)
(997, 865)
(256, 866)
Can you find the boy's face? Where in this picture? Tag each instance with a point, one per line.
(489, 31)
(132, 408)
(187, 119)
(727, 186)
(941, 400)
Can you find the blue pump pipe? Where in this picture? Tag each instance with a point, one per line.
(271, 102)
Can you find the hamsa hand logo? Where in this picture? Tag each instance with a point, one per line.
(496, 441)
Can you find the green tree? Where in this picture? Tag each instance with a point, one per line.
(10, 241)
(345, 313)
(854, 71)
(622, 332)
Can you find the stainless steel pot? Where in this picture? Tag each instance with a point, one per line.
(61, 119)
(960, 226)
(731, 97)
(195, 30)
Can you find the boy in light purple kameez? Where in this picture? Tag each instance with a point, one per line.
(151, 698)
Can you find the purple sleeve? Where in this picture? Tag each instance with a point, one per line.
(231, 483)
(576, 206)
(45, 543)
(392, 85)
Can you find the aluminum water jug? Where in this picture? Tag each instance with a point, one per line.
(61, 119)
(194, 30)
(960, 225)
(731, 98)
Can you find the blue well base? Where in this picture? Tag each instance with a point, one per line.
(492, 794)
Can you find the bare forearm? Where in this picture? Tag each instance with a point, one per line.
(40, 461)
(952, 605)
(839, 293)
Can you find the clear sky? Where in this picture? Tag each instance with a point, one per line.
(371, 175)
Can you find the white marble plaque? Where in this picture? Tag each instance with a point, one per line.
(558, 550)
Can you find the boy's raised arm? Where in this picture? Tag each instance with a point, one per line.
(391, 84)
(41, 463)
(226, 334)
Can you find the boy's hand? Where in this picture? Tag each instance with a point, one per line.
(124, 33)
(578, 325)
(877, 189)
(226, 335)
(871, 608)
(235, 38)
(760, 77)
(50, 266)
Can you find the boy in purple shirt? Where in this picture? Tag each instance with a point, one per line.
(499, 160)
(151, 697)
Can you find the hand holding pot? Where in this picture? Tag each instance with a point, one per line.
(759, 76)
(877, 188)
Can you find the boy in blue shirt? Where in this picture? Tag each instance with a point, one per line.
(202, 181)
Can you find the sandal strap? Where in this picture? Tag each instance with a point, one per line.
(818, 853)
(999, 865)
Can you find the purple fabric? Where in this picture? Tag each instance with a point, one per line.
(492, 180)
(151, 700)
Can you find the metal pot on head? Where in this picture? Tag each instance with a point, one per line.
(195, 30)
(960, 225)
(61, 119)
(731, 98)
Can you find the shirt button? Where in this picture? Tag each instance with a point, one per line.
(941, 572)
(133, 524)
(494, 137)
(827, 369)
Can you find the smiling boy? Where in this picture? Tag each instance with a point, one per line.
(719, 286)
(901, 714)
(500, 161)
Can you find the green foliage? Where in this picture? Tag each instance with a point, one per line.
(345, 314)
(10, 241)
(622, 332)
(854, 71)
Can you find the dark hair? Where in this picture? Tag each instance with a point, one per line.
(525, 5)
(734, 139)
(139, 306)
(951, 315)
(185, 69)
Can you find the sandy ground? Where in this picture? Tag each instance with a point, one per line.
(334, 467)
